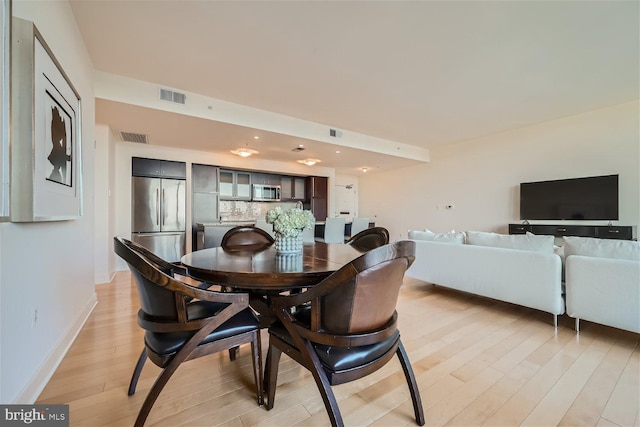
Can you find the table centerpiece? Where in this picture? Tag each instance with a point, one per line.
(288, 226)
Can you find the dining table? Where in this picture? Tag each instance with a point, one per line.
(264, 273)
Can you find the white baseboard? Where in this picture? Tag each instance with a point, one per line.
(39, 380)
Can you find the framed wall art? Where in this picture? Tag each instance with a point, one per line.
(5, 56)
(46, 173)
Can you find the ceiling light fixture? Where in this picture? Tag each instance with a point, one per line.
(309, 162)
(256, 137)
(364, 170)
(244, 152)
(337, 151)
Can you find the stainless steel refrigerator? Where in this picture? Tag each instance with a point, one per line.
(158, 215)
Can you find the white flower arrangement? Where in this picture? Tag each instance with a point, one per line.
(290, 223)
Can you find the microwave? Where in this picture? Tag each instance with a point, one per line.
(266, 193)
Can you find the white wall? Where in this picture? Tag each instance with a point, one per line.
(105, 262)
(481, 177)
(48, 266)
(124, 151)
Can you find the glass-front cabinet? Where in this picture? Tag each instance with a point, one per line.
(293, 188)
(235, 185)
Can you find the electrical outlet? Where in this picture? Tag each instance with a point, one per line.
(449, 207)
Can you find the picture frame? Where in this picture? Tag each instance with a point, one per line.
(5, 105)
(46, 154)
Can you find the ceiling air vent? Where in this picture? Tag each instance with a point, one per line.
(134, 137)
(171, 96)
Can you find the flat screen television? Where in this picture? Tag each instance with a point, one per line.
(591, 198)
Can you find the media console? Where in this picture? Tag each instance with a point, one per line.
(622, 232)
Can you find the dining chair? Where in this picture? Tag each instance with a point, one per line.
(358, 224)
(246, 238)
(334, 230)
(183, 322)
(349, 329)
(369, 238)
(309, 235)
(264, 225)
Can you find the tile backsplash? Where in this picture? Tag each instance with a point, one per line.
(240, 211)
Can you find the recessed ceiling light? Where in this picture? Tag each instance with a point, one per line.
(301, 145)
(244, 152)
(337, 151)
(256, 137)
(309, 162)
(364, 170)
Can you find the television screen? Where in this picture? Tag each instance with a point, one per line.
(592, 198)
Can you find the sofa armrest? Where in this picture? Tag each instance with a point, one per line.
(604, 290)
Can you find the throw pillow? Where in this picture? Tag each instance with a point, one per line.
(450, 237)
(521, 242)
(602, 248)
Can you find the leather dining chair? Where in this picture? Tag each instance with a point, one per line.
(349, 329)
(369, 238)
(183, 322)
(246, 238)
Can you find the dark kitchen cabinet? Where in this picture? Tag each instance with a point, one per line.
(265, 179)
(204, 178)
(317, 191)
(154, 168)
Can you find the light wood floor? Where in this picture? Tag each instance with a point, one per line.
(477, 362)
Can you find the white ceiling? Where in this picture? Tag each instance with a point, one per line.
(419, 73)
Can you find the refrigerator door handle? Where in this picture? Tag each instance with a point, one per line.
(162, 204)
(157, 206)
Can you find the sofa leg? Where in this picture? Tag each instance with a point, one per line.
(577, 325)
(555, 321)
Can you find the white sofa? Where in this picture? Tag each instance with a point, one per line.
(603, 282)
(515, 269)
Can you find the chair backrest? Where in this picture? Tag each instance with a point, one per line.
(156, 297)
(334, 230)
(365, 295)
(356, 304)
(369, 238)
(309, 235)
(264, 225)
(246, 238)
(358, 224)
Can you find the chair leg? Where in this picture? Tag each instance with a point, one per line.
(256, 351)
(411, 382)
(137, 371)
(271, 375)
(157, 387)
(324, 387)
(233, 353)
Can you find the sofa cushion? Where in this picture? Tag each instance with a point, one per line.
(450, 237)
(602, 248)
(521, 242)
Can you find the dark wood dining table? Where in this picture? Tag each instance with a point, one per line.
(265, 273)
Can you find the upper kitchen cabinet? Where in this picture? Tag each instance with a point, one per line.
(154, 168)
(204, 178)
(293, 188)
(235, 185)
(265, 179)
